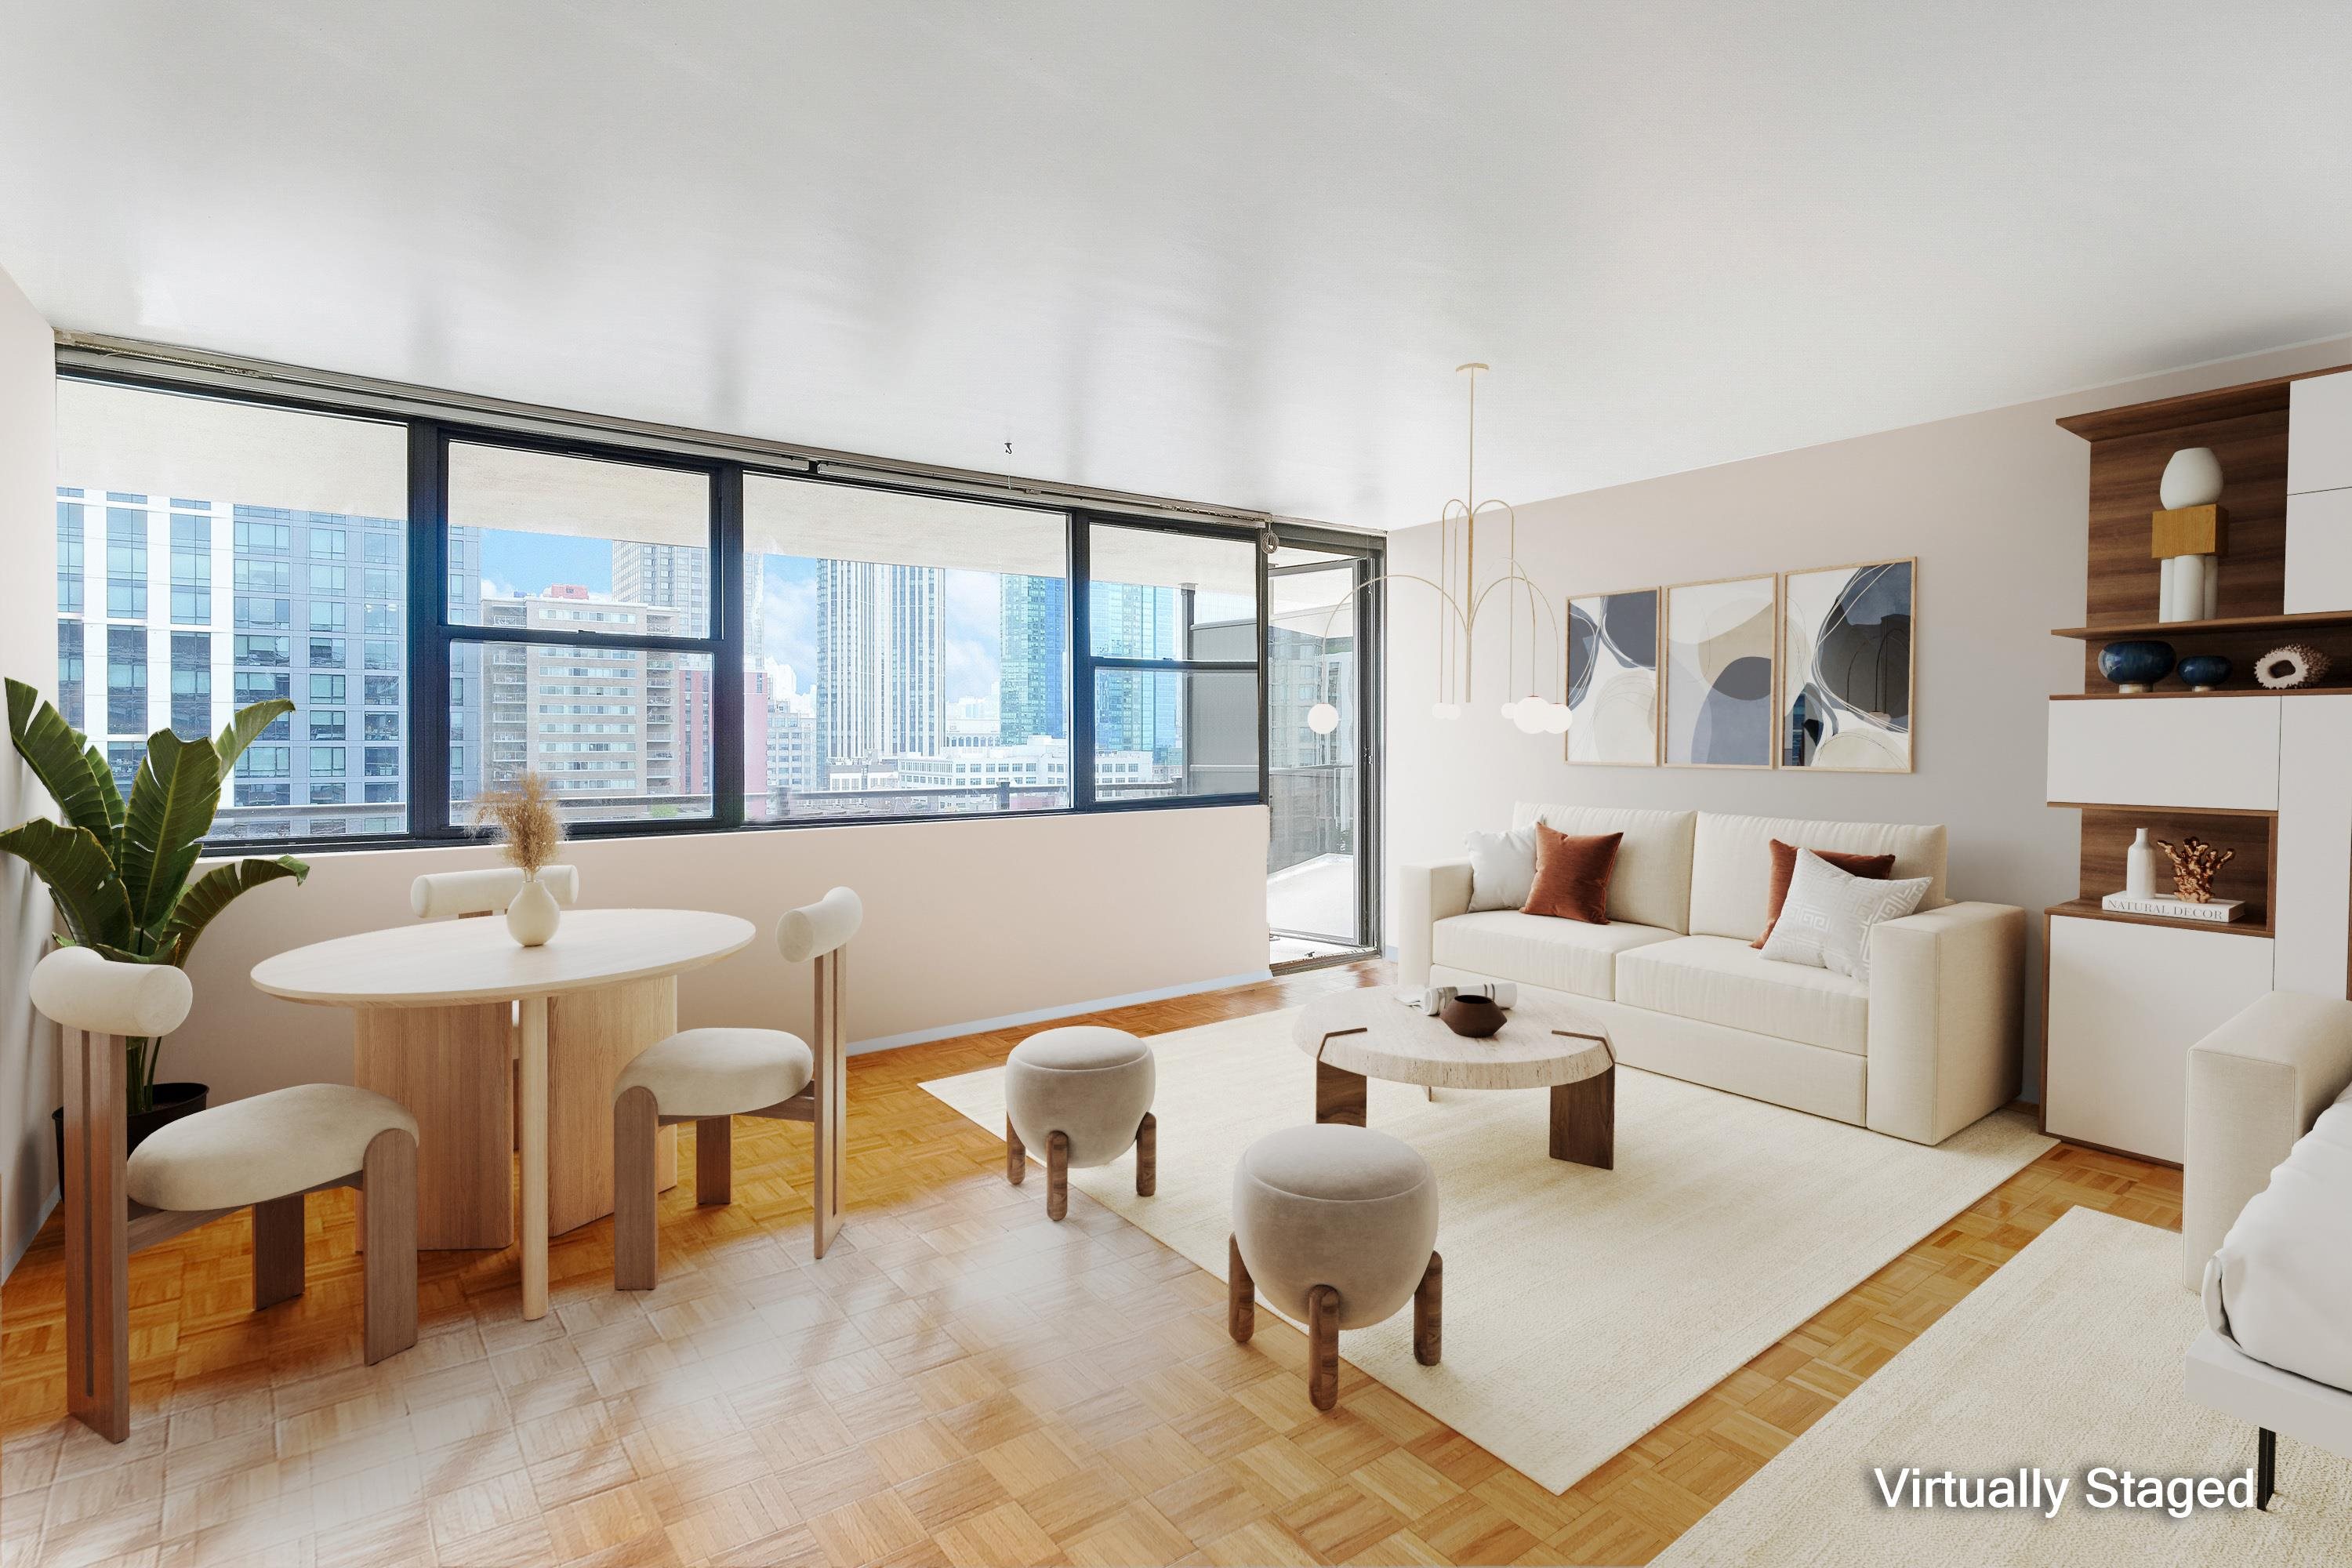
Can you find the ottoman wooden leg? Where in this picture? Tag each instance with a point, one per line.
(276, 1250)
(1016, 1158)
(1323, 1347)
(1146, 1156)
(714, 1160)
(1057, 1175)
(1584, 1120)
(1241, 1295)
(1428, 1315)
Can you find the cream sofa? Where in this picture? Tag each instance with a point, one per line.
(1932, 1042)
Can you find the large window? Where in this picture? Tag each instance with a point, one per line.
(581, 619)
(671, 640)
(908, 655)
(231, 487)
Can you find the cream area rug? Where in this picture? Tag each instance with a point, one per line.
(1583, 1307)
(2067, 1358)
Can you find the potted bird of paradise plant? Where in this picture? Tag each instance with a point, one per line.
(119, 870)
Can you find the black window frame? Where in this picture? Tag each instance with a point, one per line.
(430, 636)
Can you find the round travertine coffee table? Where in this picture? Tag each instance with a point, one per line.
(1353, 1035)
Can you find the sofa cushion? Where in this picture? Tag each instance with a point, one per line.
(1651, 884)
(1731, 864)
(1537, 950)
(1572, 875)
(1502, 867)
(1722, 980)
(2279, 1284)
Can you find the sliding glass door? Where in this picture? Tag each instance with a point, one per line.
(1322, 863)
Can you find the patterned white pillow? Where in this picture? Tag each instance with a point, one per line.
(1827, 918)
(1502, 868)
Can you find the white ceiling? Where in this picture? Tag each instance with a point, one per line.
(1229, 253)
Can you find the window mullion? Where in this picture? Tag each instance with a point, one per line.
(428, 648)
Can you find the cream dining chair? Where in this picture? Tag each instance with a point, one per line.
(264, 1153)
(708, 1077)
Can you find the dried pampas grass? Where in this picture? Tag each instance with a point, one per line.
(522, 818)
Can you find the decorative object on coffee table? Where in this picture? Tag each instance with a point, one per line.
(2135, 664)
(1083, 1094)
(522, 816)
(2292, 665)
(1337, 1226)
(2204, 671)
(1471, 1017)
(2194, 862)
(1354, 1035)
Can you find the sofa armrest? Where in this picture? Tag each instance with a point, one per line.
(1946, 1019)
(1426, 895)
(2255, 1085)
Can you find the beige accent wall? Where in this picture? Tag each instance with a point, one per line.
(28, 651)
(1993, 506)
(965, 920)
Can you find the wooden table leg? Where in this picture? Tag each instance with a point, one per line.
(534, 1157)
(1584, 1120)
(591, 1035)
(98, 1238)
(1340, 1095)
(450, 1066)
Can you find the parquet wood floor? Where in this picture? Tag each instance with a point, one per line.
(959, 1383)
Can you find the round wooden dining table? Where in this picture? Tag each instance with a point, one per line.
(440, 1007)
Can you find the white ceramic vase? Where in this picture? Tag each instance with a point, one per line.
(532, 916)
(2139, 868)
(2193, 477)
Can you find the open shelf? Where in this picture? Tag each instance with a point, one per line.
(2316, 620)
(2089, 910)
(2184, 691)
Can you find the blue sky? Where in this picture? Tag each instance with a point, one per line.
(533, 561)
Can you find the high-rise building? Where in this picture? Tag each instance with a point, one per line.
(793, 761)
(675, 576)
(601, 723)
(1033, 700)
(881, 663)
(699, 744)
(173, 611)
(1137, 711)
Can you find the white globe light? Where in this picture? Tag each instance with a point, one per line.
(1557, 718)
(1447, 710)
(1527, 713)
(1322, 718)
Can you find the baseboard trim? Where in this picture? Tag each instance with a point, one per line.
(1044, 1014)
(48, 1207)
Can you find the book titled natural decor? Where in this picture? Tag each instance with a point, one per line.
(2212, 911)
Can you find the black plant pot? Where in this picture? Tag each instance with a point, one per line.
(172, 1101)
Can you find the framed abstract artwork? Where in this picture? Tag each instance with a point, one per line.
(1719, 687)
(1613, 678)
(1845, 667)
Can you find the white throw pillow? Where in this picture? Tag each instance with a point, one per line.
(1827, 918)
(1502, 868)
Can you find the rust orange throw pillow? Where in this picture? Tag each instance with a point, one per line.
(1875, 868)
(1572, 875)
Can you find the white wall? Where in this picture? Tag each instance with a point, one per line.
(1993, 504)
(28, 651)
(965, 920)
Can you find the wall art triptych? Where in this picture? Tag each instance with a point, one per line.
(1805, 670)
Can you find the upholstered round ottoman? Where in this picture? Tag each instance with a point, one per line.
(1084, 1096)
(1337, 1225)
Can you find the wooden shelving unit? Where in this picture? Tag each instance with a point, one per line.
(2166, 630)
(2089, 910)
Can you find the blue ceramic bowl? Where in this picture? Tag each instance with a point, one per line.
(2205, 670)
(2135, 666)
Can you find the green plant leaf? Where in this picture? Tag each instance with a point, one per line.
(68, 766)
(243, 728)
(171, 803)
(213, 891)
(81, 878)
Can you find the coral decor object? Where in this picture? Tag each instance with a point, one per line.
(2292, 665)
(2194, 862)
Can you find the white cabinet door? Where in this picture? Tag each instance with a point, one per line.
(2219, 752)
(2319, 433)
(2315, 845)
(2318, 552)
(2126, 1003)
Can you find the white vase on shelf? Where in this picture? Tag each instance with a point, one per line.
(534, 914)
(2193, 477)
(2139, 868)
